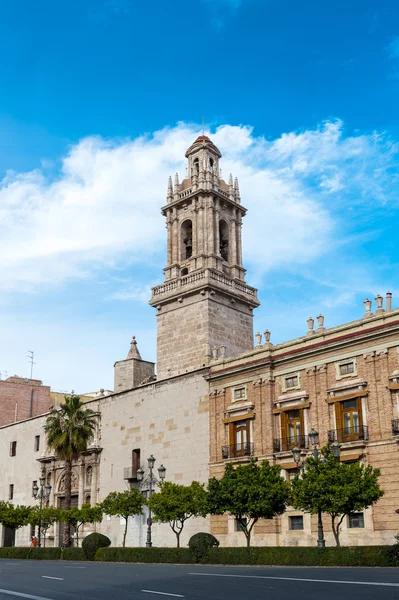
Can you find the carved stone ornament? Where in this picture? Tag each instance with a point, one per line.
(74, 481)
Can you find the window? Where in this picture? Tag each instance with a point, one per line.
(238, 526)
(349, 420)
(11, 492)
(295, 523)
(239, 393)
(356, 520)
(135, 461)
(224, 240)
(184, 272)
(347, 368)
(13, 448)
(291, 382)
(88, 499)
(37, 443)
(291, 474)
(186, 240)
(239, 439)
(292, 429)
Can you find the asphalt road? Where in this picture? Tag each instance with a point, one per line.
(51, 580)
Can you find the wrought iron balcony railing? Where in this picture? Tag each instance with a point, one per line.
(130, 473)
(237, 450)
(288, 443)
(395, 427)
(349, 434)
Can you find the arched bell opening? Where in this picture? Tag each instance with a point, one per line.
(186, 240)
(224, 240)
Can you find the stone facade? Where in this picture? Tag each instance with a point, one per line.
(343, 382)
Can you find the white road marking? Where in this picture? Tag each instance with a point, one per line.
(378, 583)
(21, 595)
(48, 577)
(73, 567)
(163, 593)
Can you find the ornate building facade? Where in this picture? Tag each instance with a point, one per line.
(217, 397)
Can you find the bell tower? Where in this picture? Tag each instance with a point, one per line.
(204, 302)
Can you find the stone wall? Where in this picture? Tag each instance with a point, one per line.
(22, 399)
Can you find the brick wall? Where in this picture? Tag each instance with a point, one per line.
(21, 399)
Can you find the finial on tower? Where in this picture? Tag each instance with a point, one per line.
(169, 195)
(236, 190)
(134, 351)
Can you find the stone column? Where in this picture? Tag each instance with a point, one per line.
(233, 242)
(81, 485)
(210, 228)
(169, 230)
(217, 232)
(175, 241)
(195, 229)
(200, 227)
(239, 242)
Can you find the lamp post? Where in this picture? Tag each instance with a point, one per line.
(41, 494)
(335, 449)
(150, 480)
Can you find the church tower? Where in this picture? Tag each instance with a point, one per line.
(204, 307)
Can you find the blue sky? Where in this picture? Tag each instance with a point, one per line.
(99, 100)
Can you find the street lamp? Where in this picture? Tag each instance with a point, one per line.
(150, 480)
(335, 449)
(41, 494)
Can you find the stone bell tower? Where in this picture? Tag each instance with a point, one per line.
(204, 302)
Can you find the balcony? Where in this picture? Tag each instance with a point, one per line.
(130, 474)
(238, 450)
(395, 427)
(349, 434)
(287, 443)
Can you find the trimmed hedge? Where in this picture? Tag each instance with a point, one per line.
(14, 552)
(73, 554)
(93, 542)
(146, 555)
(355, 556)
(45, 553)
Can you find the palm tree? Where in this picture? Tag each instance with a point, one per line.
(69, 430)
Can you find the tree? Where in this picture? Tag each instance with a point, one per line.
(335, 488)
(44, 518)
(123, 505)
(249, 492)
(77, 517)
(69, 430)
(176, 503)
(14, 516)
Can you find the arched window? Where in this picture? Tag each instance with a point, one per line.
(224, 240)
(88, 499)
(89, 476)
(186, 240)
(196, 166)
(211, 164)
(184, 272)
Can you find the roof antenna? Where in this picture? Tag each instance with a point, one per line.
(31, 354)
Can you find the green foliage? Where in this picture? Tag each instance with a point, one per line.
(73, 554)
(92, 543)
(45, 553)
(70, 428)
(45, 517)
(14, 552)
(335, 488)
(145, 555)
(76, 517)
(176, 503)
(14, 516)
(249, 492)
(357, 556)
(201, 543)
(123, 505)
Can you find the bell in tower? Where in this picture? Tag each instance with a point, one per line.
(204, 301)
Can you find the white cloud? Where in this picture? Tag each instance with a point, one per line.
(103, 210)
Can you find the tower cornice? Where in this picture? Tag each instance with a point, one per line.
(189, 194)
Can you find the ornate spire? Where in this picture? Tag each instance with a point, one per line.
(134, 351)
(169, 195)
(236, 190)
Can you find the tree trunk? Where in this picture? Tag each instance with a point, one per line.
(178, 539)
(335, 530)
(125, 532)
(67, 542)
(248, 536)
